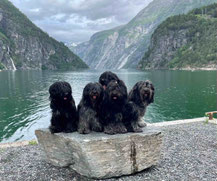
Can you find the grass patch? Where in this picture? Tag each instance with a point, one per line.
(33, 142)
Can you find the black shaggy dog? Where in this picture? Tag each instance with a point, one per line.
(88, 108)
(107, 77)
(141, 95)
(112, 109)
(64, 115)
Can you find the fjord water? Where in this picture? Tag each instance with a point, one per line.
(24, 103)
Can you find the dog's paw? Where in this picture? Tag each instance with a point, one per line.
(52, 129)
(69, 130)
(97, 128)
(83, 130)
(137, 130)
(120, 128)
(142, 124)
(135, 127)
(109, 130)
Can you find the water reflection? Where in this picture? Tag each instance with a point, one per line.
(24, 104)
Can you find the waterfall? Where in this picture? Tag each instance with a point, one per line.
(12, 62)
(13, 66)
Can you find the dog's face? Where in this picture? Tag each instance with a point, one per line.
(93, 92)
(116, 91)
(143, 91)
(107, 77)
(61, 92)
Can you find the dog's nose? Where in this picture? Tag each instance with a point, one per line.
(103, 82)
(94, 92)
(146, 90)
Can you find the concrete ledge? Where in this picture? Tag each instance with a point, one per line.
(98, 155)
(214, 121)
(176, 122)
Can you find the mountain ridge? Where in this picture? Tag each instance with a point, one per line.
(184, 42)
(124, 47)
(25, 46)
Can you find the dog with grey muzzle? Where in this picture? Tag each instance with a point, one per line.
(141, 95)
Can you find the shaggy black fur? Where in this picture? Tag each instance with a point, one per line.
(89, 107)
(107, 77)
(64, 115)
(140, 97)
(112, 109)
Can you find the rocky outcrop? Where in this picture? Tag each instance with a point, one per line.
(124, 46)
(162, 50)
(98, 155)
(25, 46)
(184, 42)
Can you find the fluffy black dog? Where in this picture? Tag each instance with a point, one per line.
(64, 115)
(112, 108)
(89, 107)
(141, 95)
(107, 77)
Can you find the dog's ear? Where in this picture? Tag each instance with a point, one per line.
(152, 87)
(134, 93)
(73, 101)
(85, 95)
(150, 84)
(152, 93)
(53, 92)
(102, 92)
(123, 88)
(151, 99)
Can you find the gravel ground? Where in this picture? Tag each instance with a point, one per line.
(189, 153)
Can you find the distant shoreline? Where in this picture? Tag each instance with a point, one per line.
(186, 68)
(210, 67)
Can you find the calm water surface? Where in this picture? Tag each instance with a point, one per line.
(24, 104)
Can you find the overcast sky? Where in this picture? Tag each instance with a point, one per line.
(76, 20)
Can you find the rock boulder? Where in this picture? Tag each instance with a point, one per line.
(98, 155)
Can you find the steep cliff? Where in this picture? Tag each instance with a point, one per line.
(124, 46)
(184, 41)
(25, 46)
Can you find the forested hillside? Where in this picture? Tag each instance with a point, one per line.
(184, 41)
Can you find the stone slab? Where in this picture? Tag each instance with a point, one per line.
(98, 155)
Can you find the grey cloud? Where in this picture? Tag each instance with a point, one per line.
(68, 18)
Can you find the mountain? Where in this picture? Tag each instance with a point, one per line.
(25, 46)
(124, 46)
(184, 41)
